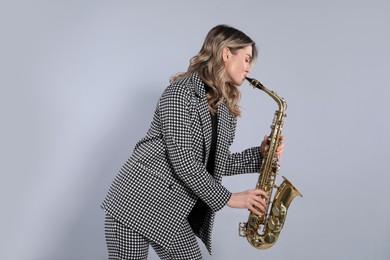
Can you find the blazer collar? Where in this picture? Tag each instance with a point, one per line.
(204, 113)
(225, 120)
(199, 88)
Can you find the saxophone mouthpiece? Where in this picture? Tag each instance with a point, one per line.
(255, 83)
(249, 79)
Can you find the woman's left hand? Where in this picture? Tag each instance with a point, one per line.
(279, 150)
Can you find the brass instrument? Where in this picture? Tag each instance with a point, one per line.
(263, 231)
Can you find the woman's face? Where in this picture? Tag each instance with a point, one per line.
(237, 65)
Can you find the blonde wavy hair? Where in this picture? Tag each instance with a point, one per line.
(208, 63)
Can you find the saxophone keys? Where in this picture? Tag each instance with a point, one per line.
(253, 221)
(275, 211)
(271, 224)
(258, 241)
(279, 210)
(275, 225)
(283, 209)
(242, 229)
(270, 238)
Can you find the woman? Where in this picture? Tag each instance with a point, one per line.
(170, 188)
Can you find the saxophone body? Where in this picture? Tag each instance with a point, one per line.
(263, 231)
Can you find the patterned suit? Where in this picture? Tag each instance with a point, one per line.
(160, 183)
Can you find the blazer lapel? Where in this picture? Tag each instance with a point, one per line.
(204, 115)
(225, 136)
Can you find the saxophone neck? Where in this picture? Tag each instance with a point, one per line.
(282, 104)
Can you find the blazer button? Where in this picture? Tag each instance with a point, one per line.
(170, 186)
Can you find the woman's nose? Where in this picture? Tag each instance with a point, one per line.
(248, 68)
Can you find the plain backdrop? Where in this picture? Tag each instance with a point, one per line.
(80, 80)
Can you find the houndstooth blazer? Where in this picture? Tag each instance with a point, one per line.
(158, 186)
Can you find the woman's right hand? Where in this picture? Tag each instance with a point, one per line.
(255, 200)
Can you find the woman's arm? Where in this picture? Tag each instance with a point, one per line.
(249, 160)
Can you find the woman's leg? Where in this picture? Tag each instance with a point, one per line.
(184, 247)
(123, 243)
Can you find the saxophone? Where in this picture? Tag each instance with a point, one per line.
(263, 231)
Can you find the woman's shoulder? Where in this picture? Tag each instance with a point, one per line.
(183, 80)
(188, 80)
(190, 84)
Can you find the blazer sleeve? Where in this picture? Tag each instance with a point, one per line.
(247, 161)
(177, 110)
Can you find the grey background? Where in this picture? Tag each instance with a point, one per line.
(80, 79)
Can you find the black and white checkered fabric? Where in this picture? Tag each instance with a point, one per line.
(124, 243)
(159, 184)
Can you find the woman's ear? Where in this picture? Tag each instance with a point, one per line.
(225, 54)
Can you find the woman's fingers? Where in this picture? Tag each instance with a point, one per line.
(280, 148)
(258, 202)
(254, 200)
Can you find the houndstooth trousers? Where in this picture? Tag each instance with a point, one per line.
(125, 244)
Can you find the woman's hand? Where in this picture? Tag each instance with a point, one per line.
(279, 150)
(255, 200)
